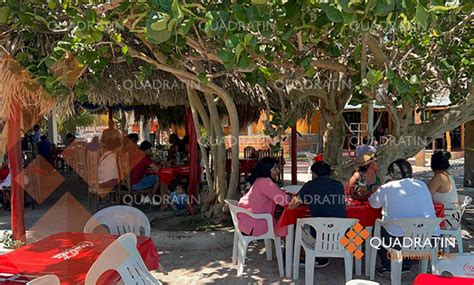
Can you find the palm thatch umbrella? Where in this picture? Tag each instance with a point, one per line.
(17, 87)
(163, 96)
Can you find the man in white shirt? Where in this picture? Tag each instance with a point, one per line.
(402, 197)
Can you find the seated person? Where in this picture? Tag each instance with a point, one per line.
(366, 179)
(93, 145)
(179, 201)
(365, 147)
(325, 197)
(263, 196)
(176, 146)
(139, 179)
(442, 186)
(4, 170)
(403, 197)
(108, 169)
(44, 148)
(133, 137)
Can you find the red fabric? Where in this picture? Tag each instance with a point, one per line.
(4, 173)
(319, 158)
(428, 279)
(169, 173)
(140, 169)
(39, 259)
(357, 210)
(245, 165)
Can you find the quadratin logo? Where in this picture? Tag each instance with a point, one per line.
(353, 239)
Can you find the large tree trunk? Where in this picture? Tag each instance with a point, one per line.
(333, 137)
(469, 155)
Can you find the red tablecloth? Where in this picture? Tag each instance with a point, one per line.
(245, 165)
(428, 279)
(82, 250)
(358, 210)
(167, 174)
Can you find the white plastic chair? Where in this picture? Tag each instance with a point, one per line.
(120, 220)
(49, 279)
(455, 266)
(329, 232)
(241, 241)
(362, 282)
(293, 189)
(122, 256)
(453, 218)
(415, 229)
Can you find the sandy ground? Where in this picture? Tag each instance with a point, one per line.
(204, 266)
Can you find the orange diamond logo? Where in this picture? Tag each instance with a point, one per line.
(354, 239)
(41, 179)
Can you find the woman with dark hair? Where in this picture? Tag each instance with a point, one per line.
(108, 169)
(176, 145)
(262, 197)
(442, 186)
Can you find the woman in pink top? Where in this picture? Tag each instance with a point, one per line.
(262, 197)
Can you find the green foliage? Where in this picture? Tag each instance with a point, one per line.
(261, 37)
(71, 124)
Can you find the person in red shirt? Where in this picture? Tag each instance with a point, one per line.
(140, 180)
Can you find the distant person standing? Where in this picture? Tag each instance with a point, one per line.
(44, 148)
(36, 134)
(365, 147)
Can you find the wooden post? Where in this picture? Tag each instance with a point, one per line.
(294, 166)
(448, 141)
(193, 159)
(469, 155)
(420, 159)
(14, 158)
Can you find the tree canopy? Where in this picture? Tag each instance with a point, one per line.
(397, 52)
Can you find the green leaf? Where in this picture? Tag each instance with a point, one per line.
(370, 4)
(4, 14)
(185, 26)
(333, 14)
(244, 61)
(413, 79)
(422, 16)
(125, 50)
(226, 56)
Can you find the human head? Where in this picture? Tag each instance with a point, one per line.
(180, 188)
(400, 169)
(267, 167)
(145, 146)
(36, 127)
(320, 168)
(43, 138)
(368, 161)
(95, 139)
(440, 160)
(133, 137)
(173, 139)
(112, 140)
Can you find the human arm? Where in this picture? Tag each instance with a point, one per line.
(353, 180)
(273, 192)
(295, 203)
(434, 184)
(376, 199)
